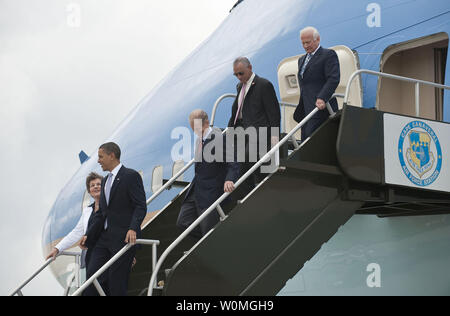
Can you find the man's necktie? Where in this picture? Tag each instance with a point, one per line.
(199, 151)
(108, 187)
(308, 58)
(107, 194)
(241, 102)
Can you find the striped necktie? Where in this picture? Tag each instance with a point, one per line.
(308, 58)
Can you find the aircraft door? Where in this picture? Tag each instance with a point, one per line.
(290, 91)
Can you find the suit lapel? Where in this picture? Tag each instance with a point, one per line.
(301, 61)
(250, 91)
(253, 84)
(116, 183)
(102, 194)
(313, 59)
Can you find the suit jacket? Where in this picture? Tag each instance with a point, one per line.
(261, 107)
(210, 177)
(319, 81)
(126, 211)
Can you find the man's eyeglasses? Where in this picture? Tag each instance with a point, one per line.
(238, 74)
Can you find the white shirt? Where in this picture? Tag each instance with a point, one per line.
(313, 53)
(114, 174)
(247, 88)
(208, 131)
(79, 231)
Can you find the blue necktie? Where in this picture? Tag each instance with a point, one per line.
(308, 58)
(108, 187)
(107, 194)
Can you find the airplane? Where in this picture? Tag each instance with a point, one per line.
(395, 251)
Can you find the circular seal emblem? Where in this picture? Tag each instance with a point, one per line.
(420, 153)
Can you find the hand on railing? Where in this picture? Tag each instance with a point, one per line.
(131, 237)
(228, 187)
(83, 243)
(53, 254)
(321, 105)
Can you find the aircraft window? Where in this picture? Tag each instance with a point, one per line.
(292, 80)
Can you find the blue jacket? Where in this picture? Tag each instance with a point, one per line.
(210, 177)
(319, 81)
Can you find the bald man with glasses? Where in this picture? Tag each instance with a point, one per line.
(256, 106)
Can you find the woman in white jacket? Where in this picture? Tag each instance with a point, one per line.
(93, 186)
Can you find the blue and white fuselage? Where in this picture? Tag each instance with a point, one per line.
(406, 255)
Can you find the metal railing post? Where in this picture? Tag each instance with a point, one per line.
(417, 88)
(19, 292)
(99, 288)
(221, 213)
(94, 279)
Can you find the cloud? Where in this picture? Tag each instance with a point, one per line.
(66, 88)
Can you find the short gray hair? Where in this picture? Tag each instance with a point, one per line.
(312, 29)
(198, 115)
(243, 60)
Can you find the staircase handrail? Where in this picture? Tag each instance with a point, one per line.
(94, 278)
(77, 256)
(417, 83)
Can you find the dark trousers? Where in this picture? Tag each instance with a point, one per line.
(257, 176)
(114, 281)
(190, 212)
(250, 146)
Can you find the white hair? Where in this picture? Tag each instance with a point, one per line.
(312, 29)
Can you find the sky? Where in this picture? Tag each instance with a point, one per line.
(65, 66)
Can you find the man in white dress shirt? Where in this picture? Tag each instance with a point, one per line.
(117, 223)
(255, 109)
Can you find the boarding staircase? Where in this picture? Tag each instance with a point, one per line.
(266, 238)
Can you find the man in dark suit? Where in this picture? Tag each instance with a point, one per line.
(255, 107)
(117, 222)
(319, 76)
(215, 173)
